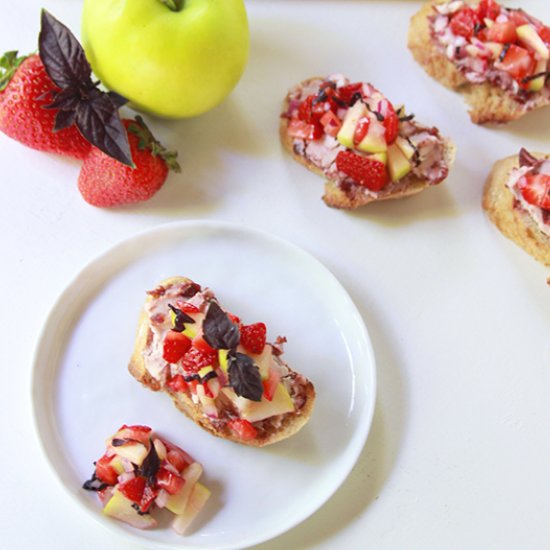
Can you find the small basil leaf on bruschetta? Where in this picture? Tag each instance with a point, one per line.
(244, 376)
(219, 331)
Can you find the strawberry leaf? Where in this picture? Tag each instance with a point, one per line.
(9, 63)
(79, 100)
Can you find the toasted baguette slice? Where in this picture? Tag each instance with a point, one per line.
(346, 195)
(488, 103)
(510, 218)
(227, 415)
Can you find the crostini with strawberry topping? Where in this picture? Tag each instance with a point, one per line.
(140, 472)
(497, 57)
(367, 149)
(517, 200)
(220, 372)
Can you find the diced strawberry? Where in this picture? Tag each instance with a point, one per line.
(149, 496)
(518, 17)
(243, 429)
(544, 33)
(233, 318)
(134, 433)
(463, 23)
(270, 384)
(194, 360)
(177, 383)
(202, 345)
(536, 190)
(176, 456)
(364, 170)
(361, 130)
(304, 111)
(391, 123)
(518, 62)
(488, 9)
(187, 307)
(504, 33)
(331, 123)
(133, 489)
(346, 93)
(104, 471)
(302, 130)
(170, 482)
(253, 337)
(175, 346)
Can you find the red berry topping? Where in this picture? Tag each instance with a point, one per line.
(253, 337)
(149, 496)
(243, 429)
(133, 489)
(347, 93)
(361, 130)
(463, 23)
(175, 346)
(536, 190)
(518, 62)
(194, 360)
(202, 345)
(104, 471)
(364, 170)
(177, 383)
(488, 9)
(504, 33)
(170, 482)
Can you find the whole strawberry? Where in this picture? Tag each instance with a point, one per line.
(104, 181)
(25, 91)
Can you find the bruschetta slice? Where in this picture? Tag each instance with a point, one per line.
(497, 57)
(365, 148)
(517, 200)
(140, 472)
(220, 372)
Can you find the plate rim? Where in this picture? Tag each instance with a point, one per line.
(359, 436)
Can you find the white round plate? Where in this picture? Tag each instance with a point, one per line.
(82, 391)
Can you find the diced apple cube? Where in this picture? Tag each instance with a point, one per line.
(198, 498)
(135, 452)
(177, 503)
(120, 507)
(347, 131)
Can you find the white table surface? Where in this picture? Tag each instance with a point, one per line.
(457, 457)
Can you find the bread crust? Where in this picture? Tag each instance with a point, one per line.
(334, 196)
(514, 223)
(291, 422)
(488, 103)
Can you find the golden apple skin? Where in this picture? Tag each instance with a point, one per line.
(173, 64)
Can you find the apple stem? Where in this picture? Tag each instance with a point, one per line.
(174, 5)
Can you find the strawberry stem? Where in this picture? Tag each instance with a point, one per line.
(174, 5)
(9, 63)
(146, 140)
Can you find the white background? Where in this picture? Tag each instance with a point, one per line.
(458, 315)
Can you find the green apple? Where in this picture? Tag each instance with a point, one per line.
(171, 58)
(254, 411)
(199, 495)
(178, 502)
(375, 140)
(398, 164)
(347, 131)
(529, 37)
(120, 507)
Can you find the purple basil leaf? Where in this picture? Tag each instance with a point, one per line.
(118, 100)
(98, 121)
(244, 376)
(180, 319)
(526, 158)
(62, 55)
(65, 99)
(64, 119)
(219, 331)
(150, 465)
